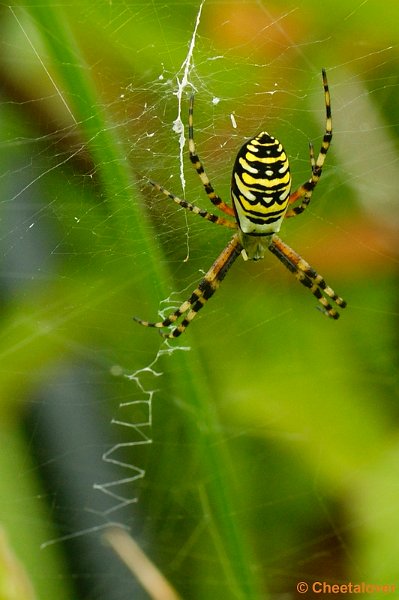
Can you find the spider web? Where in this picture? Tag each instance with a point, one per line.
(115, 427)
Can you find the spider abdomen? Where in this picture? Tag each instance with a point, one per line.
(260, 186)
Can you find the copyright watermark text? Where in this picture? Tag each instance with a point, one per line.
(322, 587)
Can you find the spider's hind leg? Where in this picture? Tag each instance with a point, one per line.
(199, 167)
(305, 191)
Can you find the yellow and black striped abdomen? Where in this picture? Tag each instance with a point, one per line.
(260, 186)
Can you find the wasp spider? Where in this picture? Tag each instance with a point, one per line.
(261, 200)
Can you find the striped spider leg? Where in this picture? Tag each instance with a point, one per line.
(205, 290)
(307, 276)
(305, 191)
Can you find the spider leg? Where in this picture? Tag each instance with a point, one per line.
(205, 290)
(305, 190)
(198, 166)
(193, 208)
(307, 276)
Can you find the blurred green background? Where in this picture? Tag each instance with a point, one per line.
(264, 451)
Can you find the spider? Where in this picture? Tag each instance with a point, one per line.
(261, 200)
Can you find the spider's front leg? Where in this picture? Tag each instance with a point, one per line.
(307, 276)
(205, 290)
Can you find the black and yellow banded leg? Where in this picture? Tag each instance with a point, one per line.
(198, 166)
(305, 191)
(307, 276)
(196, 210)
(205, 290)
